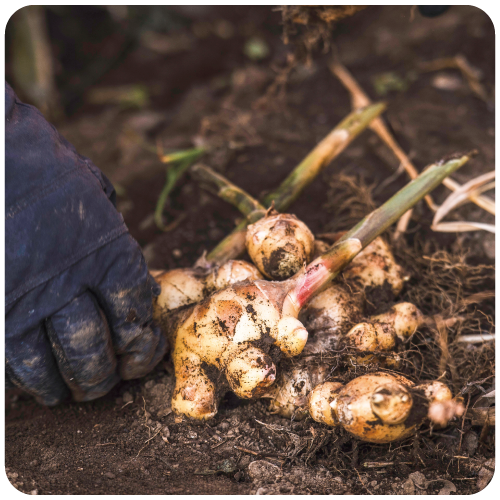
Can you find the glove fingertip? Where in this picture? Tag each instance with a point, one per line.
(138, 364)
(155, 286)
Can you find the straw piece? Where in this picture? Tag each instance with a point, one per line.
(476, 339)
(457, 198)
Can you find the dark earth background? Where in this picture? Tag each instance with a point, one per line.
(204, 85)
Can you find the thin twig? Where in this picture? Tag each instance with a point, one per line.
(148, 440)
(360, 99)
(246, 450)
(372, 465)
(463, 422)
(220, 444)
(275, 456)
(363, 483)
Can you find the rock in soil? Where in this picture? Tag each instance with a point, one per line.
(262, 471)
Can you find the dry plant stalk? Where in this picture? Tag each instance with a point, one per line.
(360, 99)
(463, 194)
(471, 74)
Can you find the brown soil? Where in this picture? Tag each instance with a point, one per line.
(127, 442)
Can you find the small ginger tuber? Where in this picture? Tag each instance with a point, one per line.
(369, 343)
(180, 287)
(279, 245)
(340, 306)
(379, 407)
(375, 266)
(329, 318)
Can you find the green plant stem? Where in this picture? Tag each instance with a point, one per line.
(326, 267)
(179, 162)
(225, 189)
(303, 174)
(328, 149)
(188, 154)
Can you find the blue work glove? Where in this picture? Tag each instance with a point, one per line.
(78, 295)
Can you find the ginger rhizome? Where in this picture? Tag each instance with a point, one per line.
(336, 324)
(279, 245)
(180, 287)
(235, 337)
(380, 407)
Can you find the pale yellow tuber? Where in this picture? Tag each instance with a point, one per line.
(378, 335)
(288, 396)
(378, 407)
(383, 332)
(234, 337)
(375, 266)
(319, 401)
(279, 245)
(180, 287)
(340, 306)
(329, 318)
(331, 313)
(228, 336)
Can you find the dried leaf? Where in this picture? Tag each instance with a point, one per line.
(463, 194)
(462, 226)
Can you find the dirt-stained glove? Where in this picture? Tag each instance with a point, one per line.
(78, 293)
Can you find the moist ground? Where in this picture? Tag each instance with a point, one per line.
(129, 441)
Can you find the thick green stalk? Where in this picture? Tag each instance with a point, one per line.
(303, 174)
(383, 217)
(326, 267)
(328, 149)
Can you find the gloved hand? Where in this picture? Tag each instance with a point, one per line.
(78, 293)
